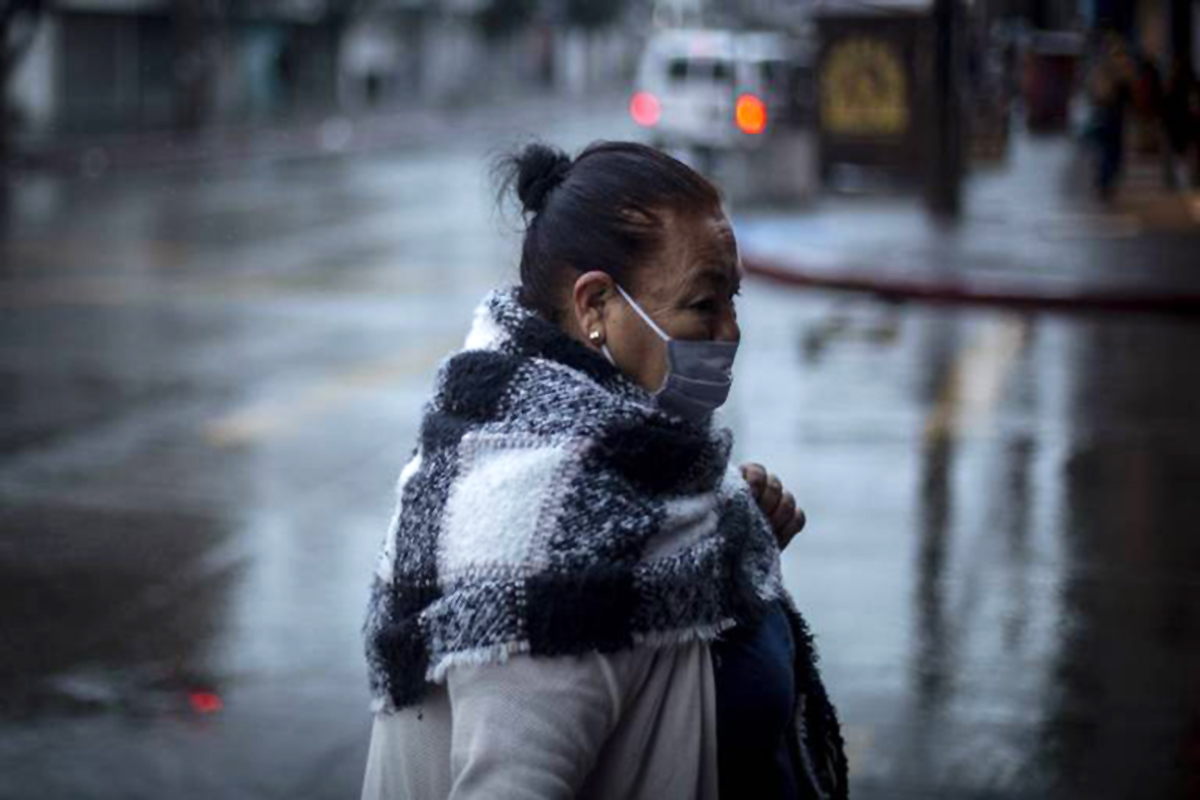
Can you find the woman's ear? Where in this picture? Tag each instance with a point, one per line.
(592, 292)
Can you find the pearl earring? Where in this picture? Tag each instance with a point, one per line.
(595, 336)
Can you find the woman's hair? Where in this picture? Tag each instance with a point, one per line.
(603, 211)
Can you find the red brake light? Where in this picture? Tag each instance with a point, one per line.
(205, 702)
(645, 109)
(751, 114)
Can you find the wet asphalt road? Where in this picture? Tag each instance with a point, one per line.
(210, 379)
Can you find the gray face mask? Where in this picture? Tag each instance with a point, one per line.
(699, 373)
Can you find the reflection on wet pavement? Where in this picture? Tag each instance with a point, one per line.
(210, 383)
(997, 562)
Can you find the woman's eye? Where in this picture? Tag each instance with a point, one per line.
(705, 305)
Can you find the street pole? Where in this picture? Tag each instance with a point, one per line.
(1181, 31)
(944, 190)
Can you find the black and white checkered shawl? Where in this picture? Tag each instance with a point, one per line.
(552, 509)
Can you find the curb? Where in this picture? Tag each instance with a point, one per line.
(219, 147)
(1026, 296)
(335, 133)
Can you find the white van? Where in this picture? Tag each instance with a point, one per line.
(719, 90)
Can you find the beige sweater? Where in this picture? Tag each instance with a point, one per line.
(637, 725)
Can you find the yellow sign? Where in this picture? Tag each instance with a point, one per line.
(864, 89)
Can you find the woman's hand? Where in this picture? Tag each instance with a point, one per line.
(778, 505)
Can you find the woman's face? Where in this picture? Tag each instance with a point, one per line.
(688, 290)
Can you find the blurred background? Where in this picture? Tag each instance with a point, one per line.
(236, 239)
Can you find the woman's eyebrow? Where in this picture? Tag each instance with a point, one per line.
(711, 276)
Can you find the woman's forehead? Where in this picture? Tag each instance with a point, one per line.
(699, 250)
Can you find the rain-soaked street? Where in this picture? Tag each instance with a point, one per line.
(211, 377)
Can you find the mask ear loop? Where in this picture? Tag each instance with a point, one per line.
(646, 317)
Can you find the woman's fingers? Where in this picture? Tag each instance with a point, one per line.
(777, 504)
(783, 513)
(756, 476)
(790, 530)
(771, 495)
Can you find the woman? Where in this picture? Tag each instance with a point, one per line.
(1181, 104)
(1110, 86)
(578, 597)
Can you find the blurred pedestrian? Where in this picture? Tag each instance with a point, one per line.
(1109, 88)
(1148, 106)
(1181, 124)
(578, 595)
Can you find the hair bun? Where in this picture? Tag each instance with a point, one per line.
(539, 169)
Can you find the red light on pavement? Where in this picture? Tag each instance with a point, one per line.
(751, 114)
(205, 702)
(645, 109)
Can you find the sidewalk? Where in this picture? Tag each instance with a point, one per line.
(1031, 236)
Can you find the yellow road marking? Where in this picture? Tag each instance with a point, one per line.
(154, 254)
(111, 280)
(974, 382)
(117, 290)
(64, 292)
(273, 417)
